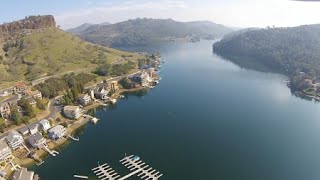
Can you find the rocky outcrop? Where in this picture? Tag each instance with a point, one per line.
(30, 22)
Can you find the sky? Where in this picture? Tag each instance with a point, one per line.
(232, 13)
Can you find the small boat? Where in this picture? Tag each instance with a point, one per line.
(136, 158)
(121, 96)
(94, 120)
(113, 101)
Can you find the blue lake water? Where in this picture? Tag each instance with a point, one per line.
(208, 119)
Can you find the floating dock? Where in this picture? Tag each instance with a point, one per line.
(134, 164)
(80, 177)
(105, 172)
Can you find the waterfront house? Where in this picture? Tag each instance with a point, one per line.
(14, 140)
(23, 174)
(24, 130)
(151, 72)
(57, 132)
(33, 128)
(72, 112)
(37, 140)
(20, 88)
(35, 94)
(44, 125)
(5, 152)
(101, 91)
(5, 111)
(84, 99)
(143, 78)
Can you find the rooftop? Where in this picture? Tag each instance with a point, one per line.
(82, 95)
(23, 174)
(33, 126)
(31, 93)
(71, 108)
(3, 145)
(56, 128)
(44, 121)
(36, 137)
(23, 129)
(11, 136)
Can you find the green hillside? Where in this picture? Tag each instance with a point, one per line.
(38, 53)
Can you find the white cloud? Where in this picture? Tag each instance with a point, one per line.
(241, 14)
(120, 12)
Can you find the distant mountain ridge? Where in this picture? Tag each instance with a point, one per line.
(149, 31)
(84, 26)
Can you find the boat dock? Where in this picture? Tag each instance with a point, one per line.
(52, 152)
(105, 172)
(134, 164)
(73, 138)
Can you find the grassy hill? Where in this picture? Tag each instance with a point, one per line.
(32, 54)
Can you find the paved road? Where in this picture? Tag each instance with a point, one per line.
(53, 109)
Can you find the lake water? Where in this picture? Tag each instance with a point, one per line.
(208, 119)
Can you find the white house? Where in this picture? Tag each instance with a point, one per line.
(37, 141)
(4, 94)
(101, 91)
(33, 128)
(44, 125)
(143, 78)
(23, 174)
(5, 111)
(72, 112)
(84, 99)
(35, 94)
(5, 152)
(14, 140)
(57, 132)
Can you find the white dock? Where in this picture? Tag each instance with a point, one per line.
(80, 177)
(134, 164)
(52, 152)
(140, 168)
(105, 172)
(73, 138)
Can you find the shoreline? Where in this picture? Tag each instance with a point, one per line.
(71, 130)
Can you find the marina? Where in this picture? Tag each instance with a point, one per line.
(134, 164)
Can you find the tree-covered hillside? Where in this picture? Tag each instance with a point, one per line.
(286, 50)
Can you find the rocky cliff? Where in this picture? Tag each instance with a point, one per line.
(30, 22)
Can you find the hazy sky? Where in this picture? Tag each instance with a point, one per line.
(236, 13)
